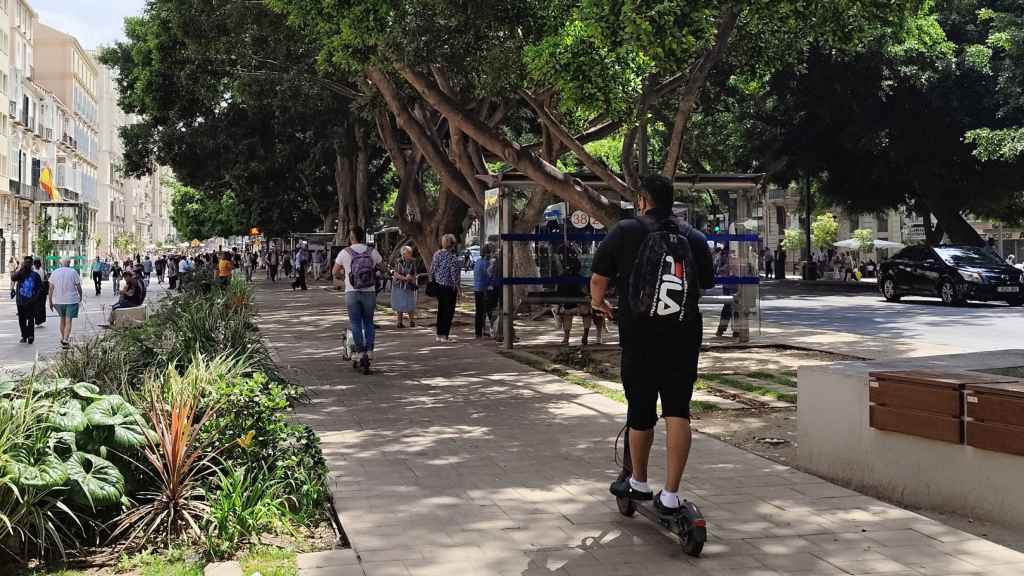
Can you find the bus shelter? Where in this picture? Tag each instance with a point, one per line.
(728, 208)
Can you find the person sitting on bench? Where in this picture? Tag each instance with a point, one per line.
(133, 294)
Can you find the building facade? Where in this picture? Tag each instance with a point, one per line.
(783, 211)
(19, 128)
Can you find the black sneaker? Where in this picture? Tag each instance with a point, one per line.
(364, 365)
(666, 512)
(621, 488)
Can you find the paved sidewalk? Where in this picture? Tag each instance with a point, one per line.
(454, 460)
(17, 357)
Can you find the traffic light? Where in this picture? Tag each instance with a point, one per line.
(716, 225)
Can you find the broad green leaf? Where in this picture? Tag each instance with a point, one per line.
(87, 391)
(95, 482)
(68, 417)
(124, 420)
(111, 411)
(45, 474)
(63, 443)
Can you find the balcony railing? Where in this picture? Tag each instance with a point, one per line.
(12, 108)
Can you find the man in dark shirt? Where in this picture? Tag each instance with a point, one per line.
(652, 366)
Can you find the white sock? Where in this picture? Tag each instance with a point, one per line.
(639, 486)
(669, 499)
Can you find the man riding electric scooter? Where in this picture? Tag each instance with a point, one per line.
(660, 265)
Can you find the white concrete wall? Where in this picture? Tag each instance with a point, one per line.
(836, 443)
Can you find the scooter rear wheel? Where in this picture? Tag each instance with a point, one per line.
(626, 506)
(693, 532)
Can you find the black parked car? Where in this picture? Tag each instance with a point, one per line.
(954, 273)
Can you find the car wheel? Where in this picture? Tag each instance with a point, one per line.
(889, 290)
(948, 293)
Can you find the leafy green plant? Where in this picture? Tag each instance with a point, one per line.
(247, 503)
(54, 444)
(865, 238)
(793, 240)
(824, 231)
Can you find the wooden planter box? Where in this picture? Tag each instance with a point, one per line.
(995, 417)
(922, 403)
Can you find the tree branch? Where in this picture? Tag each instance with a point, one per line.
(695, 82)
(436, 157)
(539, 171)
(559, 131)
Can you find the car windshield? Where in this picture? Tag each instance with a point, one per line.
(968, 257)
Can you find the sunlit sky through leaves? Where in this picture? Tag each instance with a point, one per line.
(93, 22)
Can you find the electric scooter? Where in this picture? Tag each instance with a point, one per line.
(689, 525)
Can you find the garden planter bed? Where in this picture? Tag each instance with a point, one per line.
(172, 435)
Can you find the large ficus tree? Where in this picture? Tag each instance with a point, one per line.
(582, 70)
(226, 94)
(926, 120)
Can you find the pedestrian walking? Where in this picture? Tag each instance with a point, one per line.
(225, 268)
(161, 268)
(254, 261)
(28, 290)
(769, 264)
(97, 275)
(65, 297)
(287, 261)
(37, 265)
(660, 265)
(359, 265)
(446, 273)
(147, 270)
(404, 287)
(318, 264)
(481, 281)
(723, 267)
(273, 260)
(115, 276)
(301, 267)
(172, 272)
(780, 263)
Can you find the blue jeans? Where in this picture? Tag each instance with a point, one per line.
(361, 306)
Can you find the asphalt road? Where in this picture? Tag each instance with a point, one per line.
(973, 327)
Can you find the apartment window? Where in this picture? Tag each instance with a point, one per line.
(3, 165)
(854, 222)
(780, 218)
(3, 82)
(882, 222)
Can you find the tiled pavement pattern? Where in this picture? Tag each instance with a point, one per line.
(452, 460)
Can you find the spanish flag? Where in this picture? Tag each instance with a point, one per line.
(46, 183)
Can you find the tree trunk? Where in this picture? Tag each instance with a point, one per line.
(362, 176)
(342, 184)
(694, 83)
(536, 169)
(956, 226)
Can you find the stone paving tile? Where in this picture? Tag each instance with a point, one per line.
(479, 465)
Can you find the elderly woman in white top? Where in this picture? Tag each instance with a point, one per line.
(446, 272)
(403, 289)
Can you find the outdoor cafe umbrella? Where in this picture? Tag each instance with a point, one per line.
(855, 244)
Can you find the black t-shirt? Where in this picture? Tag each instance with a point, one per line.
(618, 253)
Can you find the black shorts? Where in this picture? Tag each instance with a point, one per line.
(659, 370)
